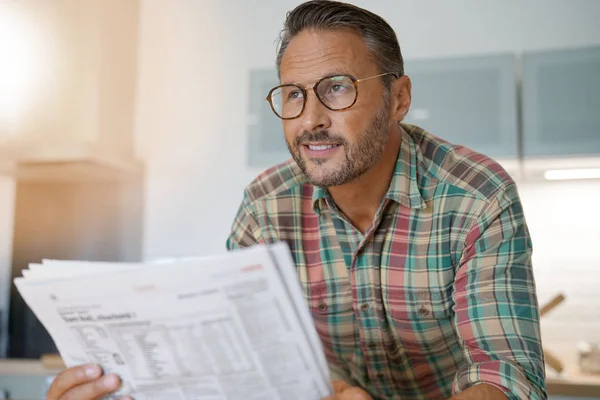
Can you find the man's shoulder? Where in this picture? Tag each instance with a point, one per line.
(457, 165)
(277, 181)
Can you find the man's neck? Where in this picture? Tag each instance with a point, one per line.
(360, 199)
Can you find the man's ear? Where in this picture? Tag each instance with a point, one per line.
(400, 98)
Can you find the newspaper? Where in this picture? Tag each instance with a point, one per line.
(233, 326)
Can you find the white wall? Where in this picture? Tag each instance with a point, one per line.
(191, 124)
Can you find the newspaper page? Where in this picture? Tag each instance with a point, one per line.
(233, 326)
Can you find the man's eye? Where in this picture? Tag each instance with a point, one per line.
(338, 88)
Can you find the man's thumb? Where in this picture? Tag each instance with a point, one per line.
(339, 386)
(354, 393)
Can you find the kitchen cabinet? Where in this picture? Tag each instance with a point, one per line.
(266, 141)
(471, 101)
(561, 103)
(92, 220)
(78, 118)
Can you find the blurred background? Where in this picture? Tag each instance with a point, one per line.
(129, 128)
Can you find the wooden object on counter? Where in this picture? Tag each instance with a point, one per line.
(556, 300)
(551, 360)
(29, 367)
(52, 361)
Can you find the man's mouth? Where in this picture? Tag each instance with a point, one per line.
(320, 150)
(321, 146)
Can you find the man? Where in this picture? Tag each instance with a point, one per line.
(413, 253)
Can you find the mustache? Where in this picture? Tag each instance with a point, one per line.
(320, 136)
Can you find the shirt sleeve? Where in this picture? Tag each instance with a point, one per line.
(245, 230)
(496, 308)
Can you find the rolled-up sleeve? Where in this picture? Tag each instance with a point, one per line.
(496, 308)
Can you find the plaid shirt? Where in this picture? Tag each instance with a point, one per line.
(436, 296)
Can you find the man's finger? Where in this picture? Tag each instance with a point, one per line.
(354, 393)
(339, 386)
(93, 390)
(72, 377)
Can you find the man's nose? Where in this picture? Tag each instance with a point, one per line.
(315, 116)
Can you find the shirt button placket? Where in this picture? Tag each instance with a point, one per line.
(365, 316)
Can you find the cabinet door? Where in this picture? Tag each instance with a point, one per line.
(266, 142)
(561, 102)
(85, 94)
(96, 221)
(471, 101)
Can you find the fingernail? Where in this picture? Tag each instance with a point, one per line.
(110, 381)
(92, 371)
(126, 398)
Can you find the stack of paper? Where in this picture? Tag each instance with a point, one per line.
(233, 326)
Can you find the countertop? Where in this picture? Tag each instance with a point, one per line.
(571, 382)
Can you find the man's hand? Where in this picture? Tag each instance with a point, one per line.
(482, 391)
(343, 391)
(85, 382)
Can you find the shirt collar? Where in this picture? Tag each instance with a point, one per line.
(404, 187)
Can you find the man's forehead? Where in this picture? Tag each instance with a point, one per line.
(313, 55)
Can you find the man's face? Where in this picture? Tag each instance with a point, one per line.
(335, 147)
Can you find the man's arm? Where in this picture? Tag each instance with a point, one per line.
(496, 308)
(245, 231)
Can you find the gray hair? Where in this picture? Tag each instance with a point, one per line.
(378, 35)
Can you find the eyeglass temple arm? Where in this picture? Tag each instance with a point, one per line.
(377, 76)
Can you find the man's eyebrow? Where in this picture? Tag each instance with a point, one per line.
(310, 82)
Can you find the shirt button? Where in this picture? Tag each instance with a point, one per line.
(424, 311)
(322, 306)
(380, 376)
(372, 346)
(364, 307)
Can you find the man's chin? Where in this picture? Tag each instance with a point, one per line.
(321, 177)
(320, 172)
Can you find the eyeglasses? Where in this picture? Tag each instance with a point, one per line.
(336, 92)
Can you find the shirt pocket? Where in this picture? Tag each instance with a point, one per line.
(420, 318)
(333, 315)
